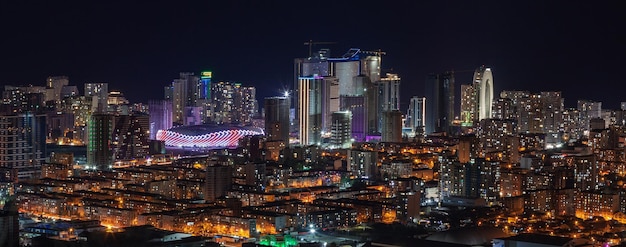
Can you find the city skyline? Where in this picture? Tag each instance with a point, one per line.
(529, 46)
(495, 124)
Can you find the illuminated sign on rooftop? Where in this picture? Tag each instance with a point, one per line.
(206, 74)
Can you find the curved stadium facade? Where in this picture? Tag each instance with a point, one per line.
(206, 136)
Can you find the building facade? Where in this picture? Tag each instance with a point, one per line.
(22, 144)
(277, 118)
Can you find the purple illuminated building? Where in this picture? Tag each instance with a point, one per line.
(161, 116)
(356, 105)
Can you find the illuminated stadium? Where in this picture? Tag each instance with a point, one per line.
(206, 136)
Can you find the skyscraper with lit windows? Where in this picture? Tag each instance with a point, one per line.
(588, 110)
(389, 92)
(416, 114)
(277, 118)
(160, 116)
(341, 131)
(468, 104)
(354, 74)
(22, 144)
(99, 141)
(99, 94)
(186, 91)
(130, 136)
(204, 99)
(483, 81)
(310, 110)
(233, 103)
(54, 86)
(245, 104)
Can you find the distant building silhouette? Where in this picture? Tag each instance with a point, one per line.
(440, 102)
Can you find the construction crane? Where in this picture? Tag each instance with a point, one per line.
(310, 43)
(378, 53)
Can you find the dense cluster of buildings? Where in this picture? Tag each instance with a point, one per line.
(346, 154)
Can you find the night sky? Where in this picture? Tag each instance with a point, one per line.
(577, 47)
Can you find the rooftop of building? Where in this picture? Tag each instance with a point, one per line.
(468, 236)
(540, 239)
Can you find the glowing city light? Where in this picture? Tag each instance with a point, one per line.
(213, 138)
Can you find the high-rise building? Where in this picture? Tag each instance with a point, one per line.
(233, 103)
(277, 118)
(354, 74)
(529, 115)
(22, 99)
(130, 137)
(363, 164)
(54, 86)
(345, 71)
(204, 100)
(315, 64)
(22, 144)
(440, 101)
(99, 94)
(330, 103)
(222, 99)
(81, 108)
(357, 106)
(251, 174)
(392, 126)
(217, 182)
(541, 113)
(341, 131)
(588, 110)
(160, 116)
(503, 108)
(468, 148)
(389, 92)
(409, 203)
(59, 126)
(494, 133)
(253, 147)
(374, 119)
(586, 171)
(69, 91)
(476, 179)
(99, 143)
(552, 107)
(468, 104)
(416, 114)
(571, 124)
(449, 171)
(483, 83)
(185, 92)
(477, 98)
(117, 103)
(245, 104)
(310, 110)
(193, 115)
(592, 203)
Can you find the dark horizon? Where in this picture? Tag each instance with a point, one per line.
(573, 47)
